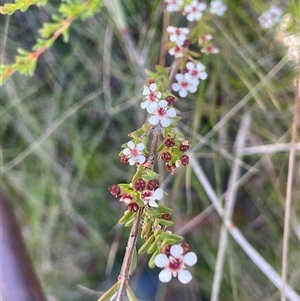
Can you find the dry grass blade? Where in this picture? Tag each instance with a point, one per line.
(288, 200)
(257, 259)
(230, 198)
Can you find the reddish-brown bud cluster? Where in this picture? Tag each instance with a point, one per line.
(184, 146)
(126, 199)
(140, 184)
(170, 99)
(166, 250)
(115, 190)
(186, 43)
(166, 216)
(153, 184)
(170, 168)
(169, 142)
(185, 160)
(186, 247)
(133, 207)
(166, 156)
(124, 160)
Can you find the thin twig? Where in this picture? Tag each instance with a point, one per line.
(131, 243)
(288, 199)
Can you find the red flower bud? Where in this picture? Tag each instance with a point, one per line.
(114, 190)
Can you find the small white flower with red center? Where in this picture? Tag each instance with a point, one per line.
(196, 71)
(126, 199)
(173, 5)
(133, 153)
(178, 34)
(152, 98)
(268, 18)
(276, 13)
(205, 38)
(149, 197)
(175, 264)
(162, 114)
(185, 83)
(176, 51)
(217, 7)
(194, 10)
(210, 49)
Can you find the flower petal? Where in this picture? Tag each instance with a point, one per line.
(131, 161)
(131, 145)
(165, 122)
(158, 194)
(146, 90)
(141, 159)
(182, 93)
(161, 260)
(184, 276)
(190, 258)
(144, 104)
(163, 103)
(153, 87)
(176, 251)
(165, 276)
(171, 112)
(179, 77)
(126, 151)
(175, 87)
(190, 65)
(154, 120)
(152, 203)
(140, 146)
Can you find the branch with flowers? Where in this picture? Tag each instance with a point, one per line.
(168, 250)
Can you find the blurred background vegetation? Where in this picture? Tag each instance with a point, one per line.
(58, 190)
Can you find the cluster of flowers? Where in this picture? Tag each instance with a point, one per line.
(146, 191)
(271, 17)
(172, 154)
(194, 10)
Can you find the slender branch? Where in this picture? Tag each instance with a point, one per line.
(124, 274)
(288, 199)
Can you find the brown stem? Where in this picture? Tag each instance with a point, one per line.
(124, 274)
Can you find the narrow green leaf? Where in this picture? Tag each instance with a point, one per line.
(107, 295)
(172, 236)
(133, 262)
(163, 222)
(126, 217)
(130, 293)
(151, 263)
(146, 245)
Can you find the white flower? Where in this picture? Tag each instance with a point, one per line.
(150, 197)
(196, 71)
(178, 34)
(276, 13)
(194, 10)
(162, 114)
(186, 83)
(205, 38)
(176, 51)
(173, 5)
(175, 264)
(210, 49)
(133, 153)
(152, 98)
(268, 18)
(217, 7)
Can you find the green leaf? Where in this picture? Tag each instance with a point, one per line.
(151, 263)
(130, 293)
(133, 262)
(107, 295)
(171, 236)
(129, 222)
(163, 222)
(146, 245)
(126, 217)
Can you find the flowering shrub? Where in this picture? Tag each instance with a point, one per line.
(142, 196)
